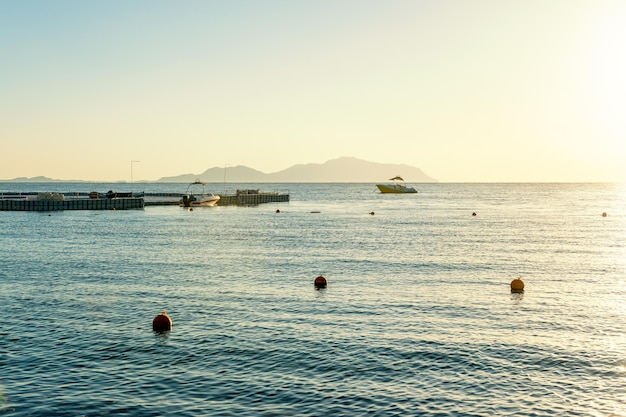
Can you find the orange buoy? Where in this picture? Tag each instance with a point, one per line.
(517, 285)
(162, 322)
(604, 214)
(320, 282)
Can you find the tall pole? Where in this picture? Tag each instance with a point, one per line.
(225, 178)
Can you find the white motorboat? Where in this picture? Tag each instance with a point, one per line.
(196, 196)
(397, 186)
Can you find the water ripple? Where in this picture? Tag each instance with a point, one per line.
(417, 319)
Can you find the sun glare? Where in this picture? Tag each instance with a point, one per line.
(607, 66)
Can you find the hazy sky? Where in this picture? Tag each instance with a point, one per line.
(529, 90)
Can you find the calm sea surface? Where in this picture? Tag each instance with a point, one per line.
(417, 320)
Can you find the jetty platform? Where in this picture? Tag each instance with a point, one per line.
(240, 198)
(47, 201)
(252, 198)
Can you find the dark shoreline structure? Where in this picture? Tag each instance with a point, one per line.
(252, 198)
(47, 201)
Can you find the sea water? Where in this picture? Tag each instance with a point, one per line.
(417, 319)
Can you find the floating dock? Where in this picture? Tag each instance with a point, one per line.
(240, 198)
(252, 198)
(46, 201)
(73, 201)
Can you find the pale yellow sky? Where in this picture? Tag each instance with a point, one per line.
(465, 90)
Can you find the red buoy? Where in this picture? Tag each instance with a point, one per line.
(517, 285)
(320, 282)
(162, 322)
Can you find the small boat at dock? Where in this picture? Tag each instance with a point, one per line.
(196, 196)
(397, 186)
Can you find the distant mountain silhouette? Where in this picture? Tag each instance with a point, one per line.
(238, 173)
(345, 169)
(32, 179)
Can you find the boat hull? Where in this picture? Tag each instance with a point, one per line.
(210, 202)
(395, 189)
(200, 201)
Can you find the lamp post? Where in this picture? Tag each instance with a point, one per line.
(225, 165)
